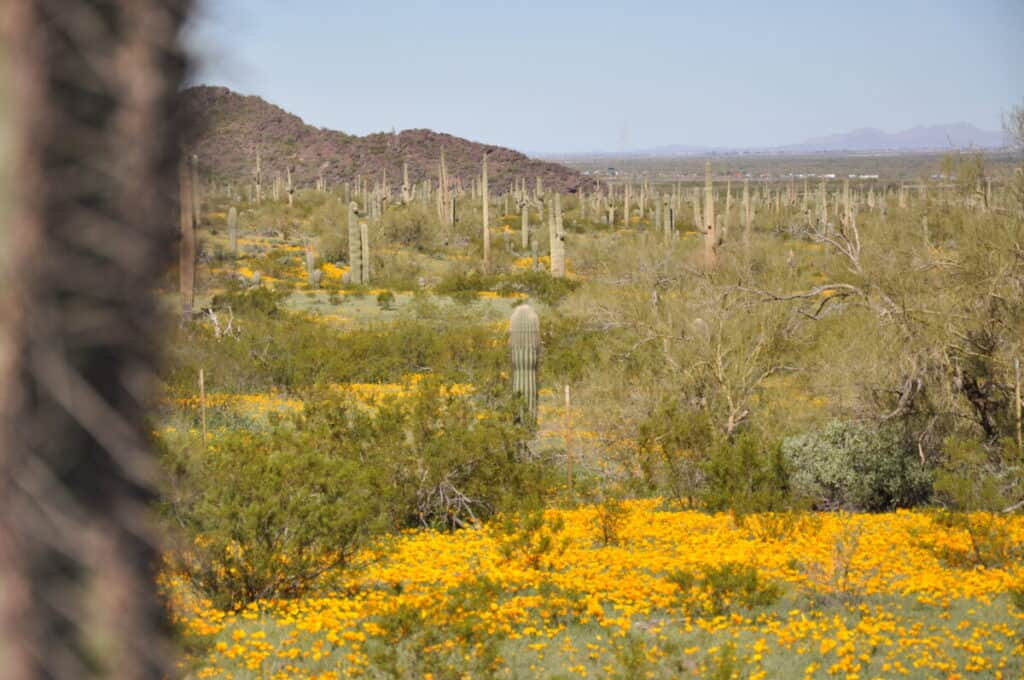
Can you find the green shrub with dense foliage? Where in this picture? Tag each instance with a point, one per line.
(271, 510)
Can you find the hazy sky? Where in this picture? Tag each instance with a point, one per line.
(567, 75)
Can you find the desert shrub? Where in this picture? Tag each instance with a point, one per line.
(726, 664)
(573, 348)
(531, 538)
(265, 513)
(976, 482)
(413, 226)
(974, 476)
(856, 467)
(462, 280)
(260, 300)
(394, 270)
(386, 300)
(276, 349)
(539, 285)
(672, 441)
(746, 477)
(727, 587)
(609, 520)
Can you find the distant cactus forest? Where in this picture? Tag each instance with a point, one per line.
(433, 409)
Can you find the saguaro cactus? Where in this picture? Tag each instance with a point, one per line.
(356, 249)
(557, 240)
(187, 248)
(486, 199)
(407, 190)
(258, 178)
(233, 230)
(364, 258)
(710, 226)
(524, 340)
(625, 207)
(197, 195)
(525, 224)
(748, 215)
(313, 274)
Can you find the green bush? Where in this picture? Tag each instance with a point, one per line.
(728, 586)
(539, 285)
(386, 300)
(278, 350)
(262, 301)
(745, 477)
(973, 476)
(265, 513)
(672, 443)
(856, 467)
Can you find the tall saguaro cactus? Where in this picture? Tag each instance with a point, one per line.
(486, 199)
(524, 340)
(233, 230)
(710, 226)
(748, 216)
(557, 239)
(258, 178)
(525, 223)
(187, 247)
(358, 249)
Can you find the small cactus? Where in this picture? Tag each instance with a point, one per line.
(524, 340)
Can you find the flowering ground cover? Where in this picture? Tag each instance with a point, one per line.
(633, 590)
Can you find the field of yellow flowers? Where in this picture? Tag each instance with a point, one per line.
(631, 590)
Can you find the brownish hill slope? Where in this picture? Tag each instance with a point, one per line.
(231, 127)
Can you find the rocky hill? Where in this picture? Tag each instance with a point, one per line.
(230, 127)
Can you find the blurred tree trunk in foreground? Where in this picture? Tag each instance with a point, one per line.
(89, 233)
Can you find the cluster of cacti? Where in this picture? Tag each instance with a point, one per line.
(524, 341)
(358, 248)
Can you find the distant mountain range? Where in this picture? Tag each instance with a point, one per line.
(921, 138)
